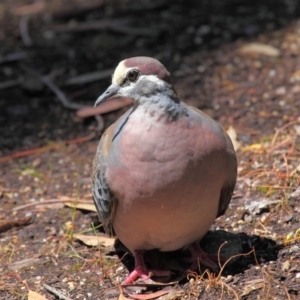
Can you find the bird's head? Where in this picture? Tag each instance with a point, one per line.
(141, 79)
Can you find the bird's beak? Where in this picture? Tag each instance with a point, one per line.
(111, 91)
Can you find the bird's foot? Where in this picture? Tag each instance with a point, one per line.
(200, 257)
(136, 274)
(141, 271)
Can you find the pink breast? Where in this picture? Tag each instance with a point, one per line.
(154, 156)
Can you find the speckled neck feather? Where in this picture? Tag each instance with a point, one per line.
(158, 98)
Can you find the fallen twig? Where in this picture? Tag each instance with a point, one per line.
(52, 201)
(13, 57)
(20, 279)
(279, 130)
(80, 8)
(118, 26)
(29, 9)
(46, 148)
(23, 26)
(24, 263)
(50, 84)
(7, 225)
(9, 84)
(56, 292)
(89, 77)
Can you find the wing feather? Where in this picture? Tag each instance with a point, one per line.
(104, 199)
(229, 186)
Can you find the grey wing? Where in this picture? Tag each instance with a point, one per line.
(104, 199)
(231, 167)
(228, 188)
(225, 197)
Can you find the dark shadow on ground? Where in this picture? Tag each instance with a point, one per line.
(236, 248)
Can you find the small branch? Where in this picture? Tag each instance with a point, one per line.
(278, 130)
(23, 26)
(50, 84)
(56, 292)
(9, 84)
(118, 26)
(24, 263)
(52, 201)
(29, 9)
(7, 225)
(13, 57)
(46, 148)
(89, 77)
(73, 11)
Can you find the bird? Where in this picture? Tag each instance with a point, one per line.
(163, 172)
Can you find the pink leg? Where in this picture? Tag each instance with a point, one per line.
(200, 257)
(141, 271)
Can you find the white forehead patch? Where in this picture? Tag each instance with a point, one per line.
(120, 73)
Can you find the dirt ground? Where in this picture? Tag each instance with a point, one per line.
(238, 62)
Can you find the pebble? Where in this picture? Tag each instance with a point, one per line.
(280, 90)
(259, 48)
(71, 286)
(263, 218)
(294, 248)
(296, 89)
(248, 218)
(285, 266)
(192, 281)
(118, 270)
(229, 278)
(281, 103)
(272, 73)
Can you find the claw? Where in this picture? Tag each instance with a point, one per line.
(141, 271)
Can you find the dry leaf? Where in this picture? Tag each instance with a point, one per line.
(296, 192)
(35, 296)
(258, 206)
(258, 48)
(233, 136)
(24, 263)
(295, 76)
(253, 285)
(297, 129)
(84, 206)
(149, 296)
(8, 224)
(253, 147)
(92, 240)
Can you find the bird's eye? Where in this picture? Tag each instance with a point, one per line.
(132, 75)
